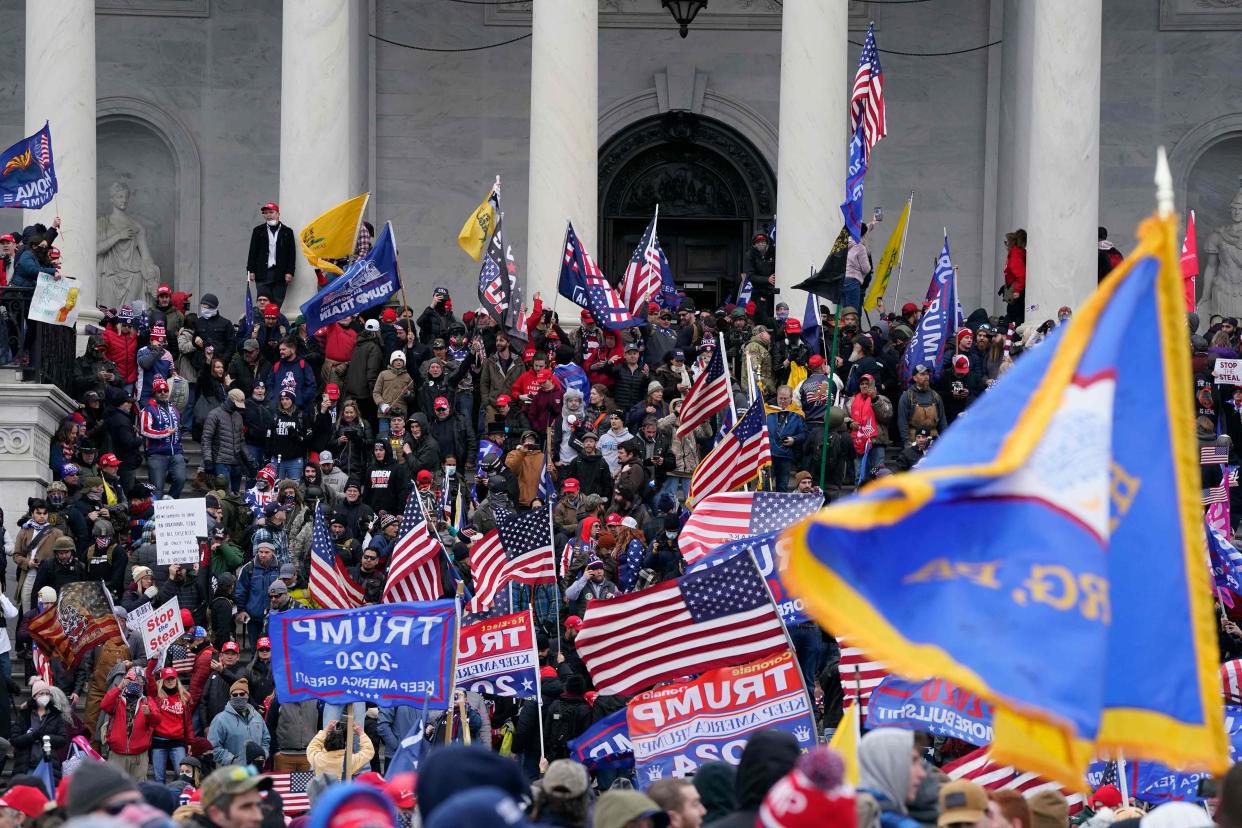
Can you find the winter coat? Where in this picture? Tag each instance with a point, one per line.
(125, 738)
(434, 323)
(294, 375)
(252, 584)
(294, 724)
(351, 456)
(454, 436)
(364, 367)
(152, 364)
(122, 350)
(425, 451)
(26, 271)
(630, 386)
(390, 388)
(28, 733)
(684, 451)
(760, 354)
(592, 473)
(229, 733)
(286, 437)
(783, 424)
(527, 467)
(333, 761)
(224, 435)
(495, 380)
(387, 484)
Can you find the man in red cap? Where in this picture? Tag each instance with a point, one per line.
(165, 311)
(8, 257)
(761, 273)
(270, 261)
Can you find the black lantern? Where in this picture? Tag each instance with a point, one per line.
(684, 12)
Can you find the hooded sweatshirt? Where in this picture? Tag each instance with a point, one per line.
(387, 483)
(884, 773)
(769, 755)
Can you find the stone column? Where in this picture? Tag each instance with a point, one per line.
(323, 141)
(814, 125)
(1063, 169)
(60, 90)
(564, 119)
(31, 414)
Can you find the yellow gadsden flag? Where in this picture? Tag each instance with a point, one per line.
(334, 235)
(479, 226)
(889, 260)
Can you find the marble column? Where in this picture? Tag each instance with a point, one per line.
(810, 174)
(1063, 168)
(30, 414)
(564, 119)
(60, 90)
(323, 136)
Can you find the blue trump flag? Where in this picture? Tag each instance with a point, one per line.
(27, 172)
(1046, 539)
(605, 745)
(364, 284)
(583, 283)
(388, 654)
(810, 324)
(572, 376)
(666, 297)
(934, 706)
(939, 321)
(856, 171)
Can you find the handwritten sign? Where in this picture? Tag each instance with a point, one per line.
(137, 617)
(178, 526)
(55, 300)
(162, 627)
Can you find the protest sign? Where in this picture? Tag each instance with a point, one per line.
(388, 654)
(675, 728)
(1228, 371)
(178, 526)
(54, 300)
(934, 706)
(135, 618)
(765, 548)
(162, 627)
(605, 745)
(498, 656)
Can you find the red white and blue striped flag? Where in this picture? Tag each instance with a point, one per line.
(414, 569)
(518, 549)
(329, 583)
(643, 274)
(708, 394)
(729, 516)
(584, 284)
(291, 785)
(867, 99)
(737, 459)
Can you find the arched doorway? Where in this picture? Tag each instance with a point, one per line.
(714, 190)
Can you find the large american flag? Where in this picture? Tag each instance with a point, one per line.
(726, 516)
(414, 569)
(979, 768)
(1231, 680)
(329, 583)
(719, 617)
(518, 549)
(708, 394)
(867, 99)
(643, 274)
(737, 458)
(583, 283)
(859, 674)
(291, 785)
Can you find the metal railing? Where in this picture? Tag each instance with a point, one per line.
(43, 353)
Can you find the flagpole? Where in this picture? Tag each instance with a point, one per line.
(349, 740)
(543, 750)
(405, 303)
(857, 703)
(832, 385)
(452, 688)
(1121, 779)
(793, 651)
(901, 257)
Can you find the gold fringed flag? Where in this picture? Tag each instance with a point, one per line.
(1046, 540)
(890, 259)
(334, 235)
(479, 226)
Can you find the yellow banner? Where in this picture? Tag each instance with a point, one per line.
(334, 235)
(888, 261)
(478, 229)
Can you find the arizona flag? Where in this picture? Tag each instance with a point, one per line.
(27, 174)
(334, 235)
(1067, 507)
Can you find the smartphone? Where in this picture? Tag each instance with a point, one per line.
(878, 214)
(1207, 787)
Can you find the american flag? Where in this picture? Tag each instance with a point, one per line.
(737, 459)
(727, 516)
(859, 674)
(1213, 454)
(291, 785)
(708, 394)
(585, 285)
(181, 659)
(1220, 492)
(643, 274)
(329, 584)
(979, 768)
(518, 549)
(1231, 680)
(414, 569)
(41, 665)
(715, 618)
(867, 100)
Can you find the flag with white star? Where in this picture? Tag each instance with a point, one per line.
(498, 657)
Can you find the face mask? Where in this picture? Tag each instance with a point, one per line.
(206, 312)
(43, 700)
(240, 704)
(133, 689)
(782, 315)
(670, 535)
(101, 543)
(56, 499)
(261, 485)
(273, 222)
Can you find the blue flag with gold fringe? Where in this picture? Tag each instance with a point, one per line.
(1047, 541)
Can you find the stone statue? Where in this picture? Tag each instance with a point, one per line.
(124, 266)
(1222, 274)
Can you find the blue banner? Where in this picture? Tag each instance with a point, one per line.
(364, 284)
(855, 172)
(764, 548)
(572, 376)
(605, 745)
(27, 174)
(936, 327)
(387, 654)
(666, 297)
(934, 706)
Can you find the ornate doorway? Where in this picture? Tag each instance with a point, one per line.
(714, 190)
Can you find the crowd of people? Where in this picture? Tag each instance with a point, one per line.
(474, 419)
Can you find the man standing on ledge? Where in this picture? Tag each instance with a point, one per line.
(270, 262)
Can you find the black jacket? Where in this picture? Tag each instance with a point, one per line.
(256, 259)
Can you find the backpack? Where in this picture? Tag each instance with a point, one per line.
(565, 721)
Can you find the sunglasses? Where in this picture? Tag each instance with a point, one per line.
(239, 695)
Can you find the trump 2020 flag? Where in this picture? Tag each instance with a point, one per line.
(939, 321)
(27, 174)
(1046, 539)
(366, 283)
(856, 171)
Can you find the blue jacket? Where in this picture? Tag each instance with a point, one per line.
(395, 724)
(252, 584)
(151, 366)
(782, 424)
(27, 270)
(296, 376)
(229, 734)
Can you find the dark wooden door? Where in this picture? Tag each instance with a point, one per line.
(705, 254)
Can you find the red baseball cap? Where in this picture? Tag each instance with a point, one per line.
(162, 289)
(167, 673)
(424, 476)
(263, 643)
(571, 484)
(543, 376)
(587, 318)
(908, 307)
(793, 326)
(271, 205)
(529, 353)
(440, 402)
(7, 237)
(230, 647)
(961, 364)
(547, 672)
(401, 789)
(271, 310)
(109, 459)
(27, 799)
(504, 399)
(332, 390)
(816, 361)
(389, 315)
(653, 309)
(613, 519)
(573, 622)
